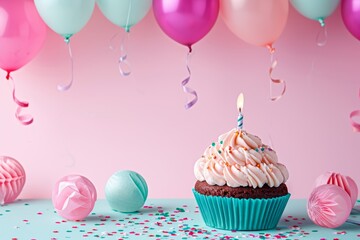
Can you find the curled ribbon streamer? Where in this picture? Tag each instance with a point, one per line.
(273, 80)
(124, 65)
(67, 86)
(322, 36)
(23, 119)
(356, 113)
(186, 81)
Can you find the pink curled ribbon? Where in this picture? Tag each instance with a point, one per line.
(186, 89)
(23, 119)
(65, 87)
(273, 80)
(356, 113)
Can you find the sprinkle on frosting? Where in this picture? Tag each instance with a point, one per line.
(240, 159)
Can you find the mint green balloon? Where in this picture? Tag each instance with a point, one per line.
(124, 13)
(65, 17)
(315, 9)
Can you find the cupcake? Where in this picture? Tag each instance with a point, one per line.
(240, 183)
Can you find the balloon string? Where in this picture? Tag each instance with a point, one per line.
(273, 64)
(24, 119)
(127, 27)
(322, 37)
(186, 81)
(124, 65)
(356, 113)
(65, 87)
(111, 42)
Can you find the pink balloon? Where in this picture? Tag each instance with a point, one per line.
(186, 21)
(350, 12)
(257, 22)
(22, 33)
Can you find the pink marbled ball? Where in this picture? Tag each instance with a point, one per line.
(345, 182)
(74, 197)
(329, 206)
(12, 179)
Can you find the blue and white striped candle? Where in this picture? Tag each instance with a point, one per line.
(240, 105)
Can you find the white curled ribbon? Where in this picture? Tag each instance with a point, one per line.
(67, 86)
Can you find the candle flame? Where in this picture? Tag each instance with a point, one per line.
(240, 102)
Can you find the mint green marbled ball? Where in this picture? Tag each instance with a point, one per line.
(126, 191)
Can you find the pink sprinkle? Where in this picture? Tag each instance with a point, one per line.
(39, 213)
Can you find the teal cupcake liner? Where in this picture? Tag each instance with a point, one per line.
(241, 214)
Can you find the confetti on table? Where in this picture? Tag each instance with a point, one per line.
(158, 219)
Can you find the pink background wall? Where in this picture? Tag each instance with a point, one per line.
(107, 123)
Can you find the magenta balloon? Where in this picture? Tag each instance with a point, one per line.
(350, 11)
(22, 33)
(186, 21)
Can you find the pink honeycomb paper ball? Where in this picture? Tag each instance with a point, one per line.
(345, 182)
(74, 197)
(329, 206)
(12, 179)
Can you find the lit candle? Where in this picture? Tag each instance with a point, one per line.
(240, 105)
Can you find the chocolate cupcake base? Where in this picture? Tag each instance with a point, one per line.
(240, 192)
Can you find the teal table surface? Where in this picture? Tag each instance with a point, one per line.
(32, 219)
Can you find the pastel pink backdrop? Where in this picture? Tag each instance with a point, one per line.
(107, 122)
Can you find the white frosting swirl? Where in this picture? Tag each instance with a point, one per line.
(240, 159)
